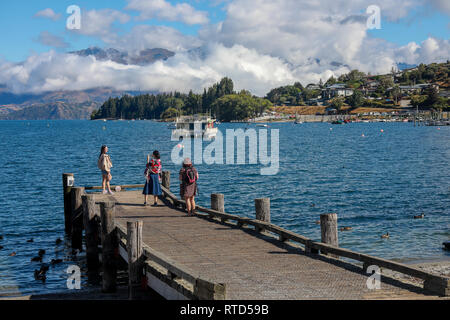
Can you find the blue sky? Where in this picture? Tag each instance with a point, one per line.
(260, 44)
(21, 29)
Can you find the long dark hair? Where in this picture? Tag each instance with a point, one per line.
(102, 150)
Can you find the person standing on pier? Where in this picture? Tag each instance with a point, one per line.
(105, 165)
(188, 187)
(152, 173)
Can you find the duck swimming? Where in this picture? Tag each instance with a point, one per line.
(31, 240)
(41, 252)
(420, 216)
(345, 228)
(58, 241)
(55, 261)
(385, 236)
(37, 259)
(12, 254)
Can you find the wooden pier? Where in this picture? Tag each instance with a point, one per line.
(214, 255)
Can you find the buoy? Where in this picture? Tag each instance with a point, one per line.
(382, 130)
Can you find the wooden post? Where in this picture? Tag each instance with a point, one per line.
(329, 230)
(166, 179)
(205, 290)
(135, 253)
(109, 247)
(262, 208)
(68, 181)
(91, 225)
(218, 203)
(77, 218)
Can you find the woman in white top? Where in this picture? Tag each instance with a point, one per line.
(105, 165)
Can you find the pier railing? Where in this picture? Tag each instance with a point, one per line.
(191, 286)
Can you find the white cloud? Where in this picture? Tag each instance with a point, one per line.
(441, 5)
(48, 39)
(261, 44)
(164, 10)
(99, 23)
(49, 14)
(144, 37)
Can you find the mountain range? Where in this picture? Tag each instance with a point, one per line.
(80, 104)
(57, 105)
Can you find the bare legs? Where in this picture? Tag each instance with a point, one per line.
(105, 183)
(190, 205)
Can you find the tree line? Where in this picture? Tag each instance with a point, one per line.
(220, 99)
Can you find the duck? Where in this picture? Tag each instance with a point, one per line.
(420, 216)
(37, 259)
(31, 240)
(12, 254)
(345, 228)
(41, 252)
(1, 247)
(44, 268)
(39, 275)
(385, 236)
(58, 241)
(1, 237)
(55, 261)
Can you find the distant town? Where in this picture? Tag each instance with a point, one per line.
(422, 90)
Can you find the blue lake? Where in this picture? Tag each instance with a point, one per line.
(376, 183)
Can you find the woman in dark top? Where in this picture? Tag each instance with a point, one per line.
(152, 173)
(188, 185)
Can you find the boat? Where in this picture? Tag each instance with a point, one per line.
(262, 125)
(195, 126)
(337, 122)
(172, 125)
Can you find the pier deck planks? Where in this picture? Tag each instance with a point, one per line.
(253, 266)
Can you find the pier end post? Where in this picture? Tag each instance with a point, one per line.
(109, 247)
(166, 179)
(68, 182)
(262, 208)
(91, 225)
(77, 218)
(329, 230)
(217, 203)
(135, 255)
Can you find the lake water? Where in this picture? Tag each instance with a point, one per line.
(376, 183)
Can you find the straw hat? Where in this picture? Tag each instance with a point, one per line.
(187, 161)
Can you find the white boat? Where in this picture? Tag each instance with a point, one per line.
(196, 126)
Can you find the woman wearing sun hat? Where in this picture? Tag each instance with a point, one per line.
(188, 185)
(152, 173)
